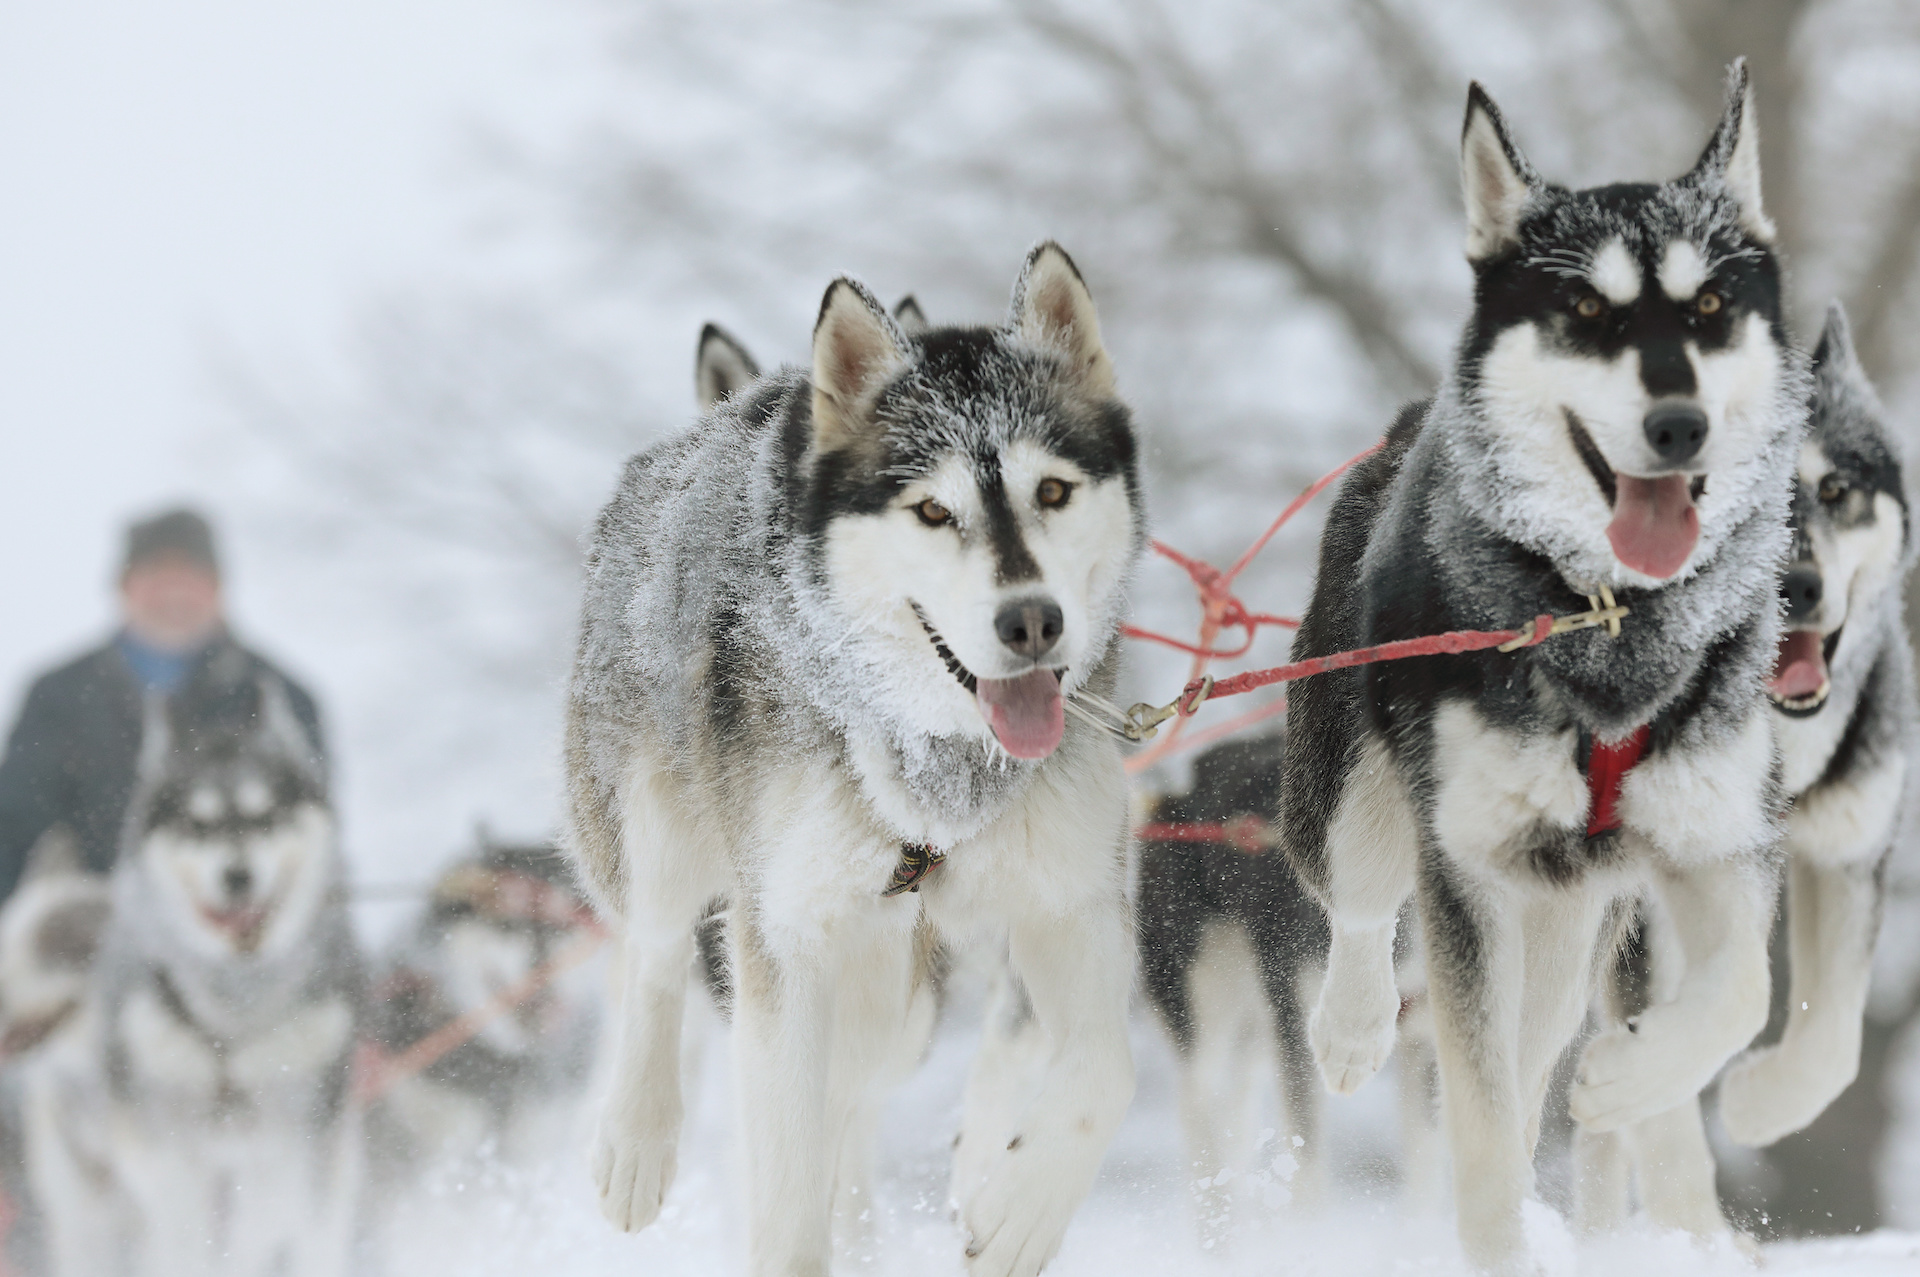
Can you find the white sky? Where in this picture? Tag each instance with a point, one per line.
(183, 179)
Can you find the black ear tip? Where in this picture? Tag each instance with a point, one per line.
(711, 331)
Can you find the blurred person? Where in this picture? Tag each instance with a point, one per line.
(71, 759)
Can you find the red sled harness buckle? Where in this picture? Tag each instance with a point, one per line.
(1608, 765)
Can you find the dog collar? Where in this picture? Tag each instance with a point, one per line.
(917, 860)
(1607, 766)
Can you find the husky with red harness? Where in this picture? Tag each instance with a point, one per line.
(1621, 423)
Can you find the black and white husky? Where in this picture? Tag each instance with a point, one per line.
(827, 637)
(498, 920)
(1622, 419)
(1842, 684)
(196, 1117)
(1228, 941)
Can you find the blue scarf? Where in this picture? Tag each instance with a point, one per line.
(158, 669)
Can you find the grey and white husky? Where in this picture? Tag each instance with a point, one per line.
(196, 1119)
(1842, 684)
(827, 637)
(1623, 418)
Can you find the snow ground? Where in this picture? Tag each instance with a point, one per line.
(493, 1220)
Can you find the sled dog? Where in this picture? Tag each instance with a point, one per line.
(826, 640)
(1228, 941)
(496, 920)
(1842, 686)
(1622, 420)
(195, 1119)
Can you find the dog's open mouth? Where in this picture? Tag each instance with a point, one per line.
(1027, 715)
(1799, 685)
(1655, 523)
(242, 923)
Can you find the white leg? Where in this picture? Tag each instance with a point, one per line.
(670, 879)
(1372, 846)
(782, 1042)
(1077, 969)
(1564, 949)
(1475, 975)
(1601, 1188)
(1721, 914)
(1217, 1070)
(1003, 1080)
(882, 1026)
(1422, 1152)
(1676, 1171)
(1780, 1089)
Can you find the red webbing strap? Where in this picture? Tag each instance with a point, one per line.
(1248, 834)
(1607, 766)
(1427, 645)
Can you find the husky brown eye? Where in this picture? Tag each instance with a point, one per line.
(1589, 307)
(1832, 488)
(1053, 493)
(932, 513)
(1708, 303)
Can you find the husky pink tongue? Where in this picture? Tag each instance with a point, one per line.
(1799, 667)
(1026, 713)
(1654, 524)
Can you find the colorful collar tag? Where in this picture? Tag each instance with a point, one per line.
(916, 861)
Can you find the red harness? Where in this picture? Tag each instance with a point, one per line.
(1607, 766)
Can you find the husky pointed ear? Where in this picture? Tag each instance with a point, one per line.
(907, 314)
(720, 367)
(857, 348)
(1835, 351)
(1732, 157)
(1052, 308)
(1495, 177)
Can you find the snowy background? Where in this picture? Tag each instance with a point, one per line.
(391, 287)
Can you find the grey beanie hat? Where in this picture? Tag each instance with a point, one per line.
(183, 532)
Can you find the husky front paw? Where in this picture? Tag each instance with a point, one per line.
(1017, 1219)
(1352, 1031)
(1771, 1093)
(1628, 1076)
(633, 1167)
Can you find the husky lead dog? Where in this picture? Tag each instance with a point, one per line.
(1843, 685)
(196, 1120)
(826, 639)
(1623, 415)
(496, 919)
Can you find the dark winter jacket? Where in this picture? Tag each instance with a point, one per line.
(73, 753)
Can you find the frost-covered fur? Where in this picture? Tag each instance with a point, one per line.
(196, 1118)
(759, 711)
(1844, 751)
(1462, 777)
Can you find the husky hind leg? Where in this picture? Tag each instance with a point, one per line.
(1219, 1054)
(669, 879)
(1832, 915)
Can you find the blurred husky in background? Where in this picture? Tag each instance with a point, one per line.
(1842, 684)
(194, 1118)
(1228, 940)
(500, 923)
(826, 643)
(1622, 421)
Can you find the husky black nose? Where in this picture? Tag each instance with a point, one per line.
(1676, 431)
(1800, 587)
(1030, 626)
(238, 880)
